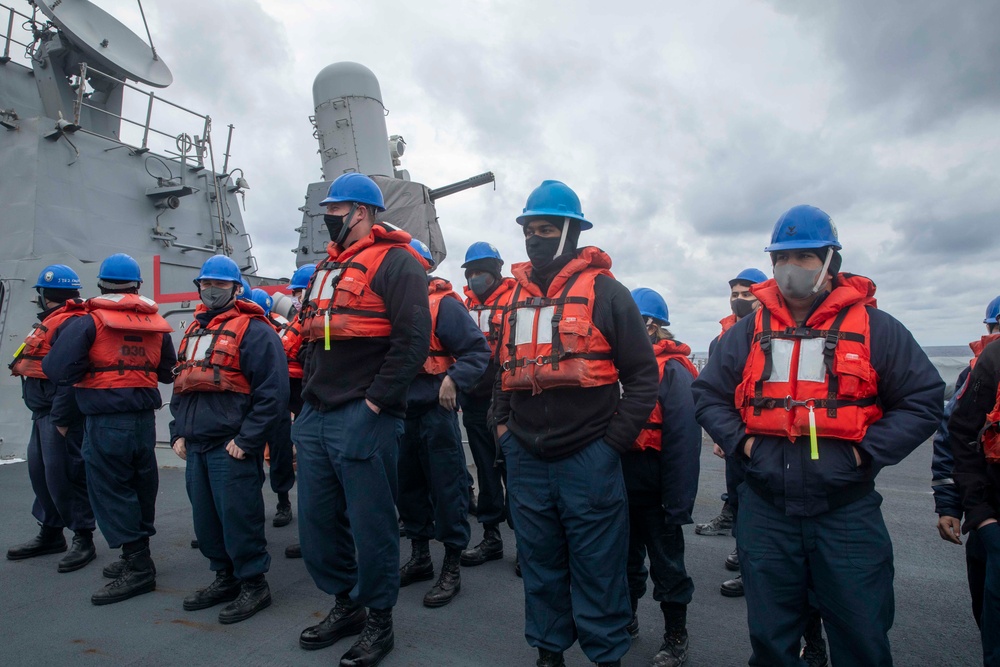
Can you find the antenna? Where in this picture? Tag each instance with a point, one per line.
(106, 43)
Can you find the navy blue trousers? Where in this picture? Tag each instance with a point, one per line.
(491, 507)
(122, 478)
(347, 501)
(282, 471)
(433, 479)
(58, 476)
(989, 536)
(228, 510)
(844, 556)
(571, 522)
(650, 534)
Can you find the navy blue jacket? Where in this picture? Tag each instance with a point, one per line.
(40, 393)
(208, 419)
(680, 449)
(67, 363)
(947, 501)
(910, 392)
(463, 340)
(978, 481)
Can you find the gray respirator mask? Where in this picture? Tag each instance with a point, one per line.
(796, 282)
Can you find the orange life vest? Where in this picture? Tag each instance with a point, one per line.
(823, 366)
(727, 322)
(127, 343)
(551, 340)
(340, 303)
(208, 358)
(28, 360)
(978, 346)
(438, 360)
(990, 435)
(488, 316)
(291, 341)
(651, 435)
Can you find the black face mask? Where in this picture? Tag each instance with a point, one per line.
(337, 225)
(482, 284)
(541, 251)
(741, 307)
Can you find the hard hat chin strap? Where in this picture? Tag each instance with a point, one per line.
(562, 238)
(346, 229)
(821, 278)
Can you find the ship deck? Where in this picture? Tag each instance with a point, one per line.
(46, 617)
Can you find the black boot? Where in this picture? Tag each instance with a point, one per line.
(255, 595)
(633, 625)
(720, 525)
(733, 561)
(814, 651)
(293, 551)
(225, 588)
(491, 548)
(138, 576)
(82, 552)
(550, 659)
(113, 570)
(283, 515)
(49, 540)
(419, 567)
(673, 652)
(345, 619)
(449, 583)
(375, 642)
(732, 588)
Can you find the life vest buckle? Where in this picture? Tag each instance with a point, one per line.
(792, 403)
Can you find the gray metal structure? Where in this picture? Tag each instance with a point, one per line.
(84, 172)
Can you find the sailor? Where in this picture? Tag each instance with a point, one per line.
(279, 449)
(291, 340)
(433, 494)
(742, 302)
(974, 441)
(229, 393)
(55, 464)
(947, 501)
(661, 479)
(366, 334)
(817, 392)
(577, 382)
(115, 355)
(487, 293)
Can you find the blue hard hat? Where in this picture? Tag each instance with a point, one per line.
(481, 250)
(993, 312)
(262, 299)
(803, 227)
(219, 267)
(357, 188)
(553, 198)
(651, 304)
(246, 294)
(120, 268)
(58, 276)
(752, 276)
(300, 279)
(422, 250)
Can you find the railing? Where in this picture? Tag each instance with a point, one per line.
(8, 36)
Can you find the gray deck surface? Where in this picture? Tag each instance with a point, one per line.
(46, 618)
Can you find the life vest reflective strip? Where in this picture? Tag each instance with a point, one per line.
(551, 340)
(340, 303)
(127, 342)
(208, 358)
(822, 367)
(28, 358)
(488, 316)
(438, 359)
(651, 435)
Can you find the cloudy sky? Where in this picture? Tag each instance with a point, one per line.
(686, 128)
